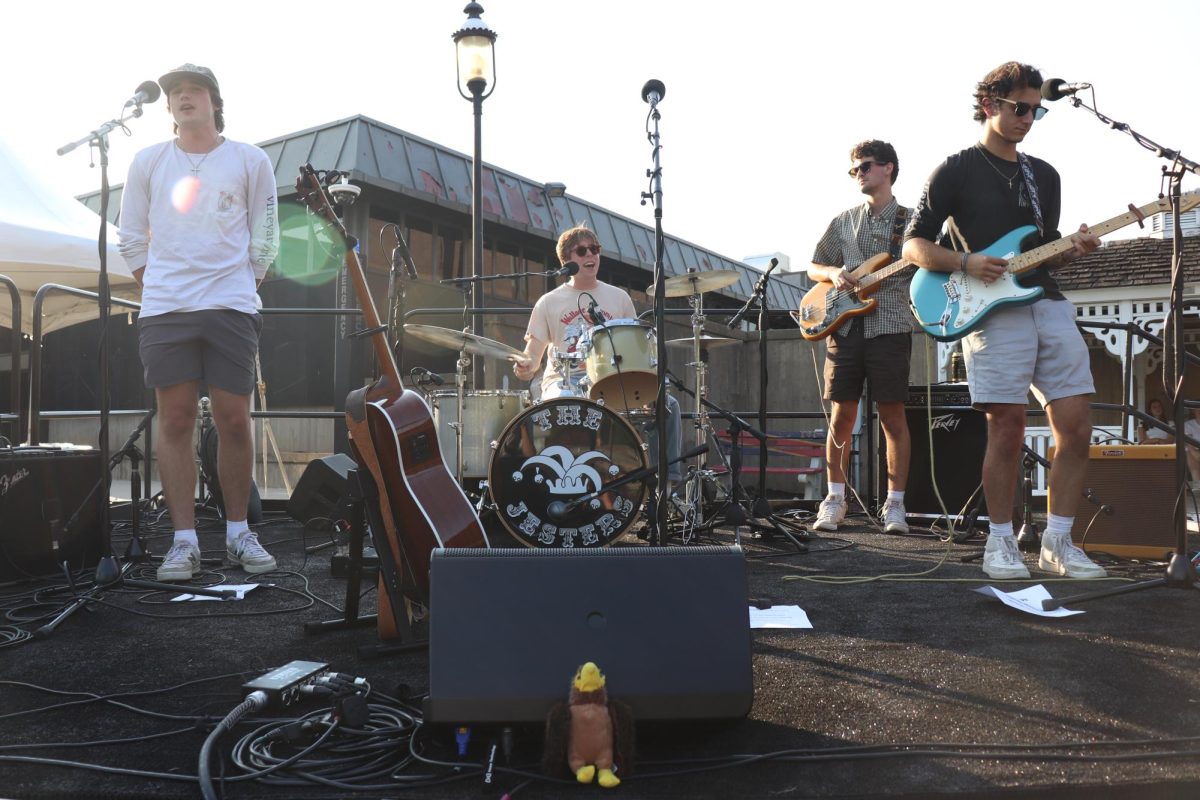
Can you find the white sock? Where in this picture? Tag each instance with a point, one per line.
(838, 489)
(1000, 529)
(234, 530)
(1056, 524)
(188, 536)
(896, 496)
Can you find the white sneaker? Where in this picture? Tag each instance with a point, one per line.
(181, 563)
(1060, 555)
(251, 555)
(1002, 559)
(831, 513)
(894, 517)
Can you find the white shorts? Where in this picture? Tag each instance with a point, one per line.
(1034, 346)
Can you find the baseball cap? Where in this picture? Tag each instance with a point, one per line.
(202, 74)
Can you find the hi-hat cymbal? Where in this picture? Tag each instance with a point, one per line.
(705, 341)
(458, 340)
(697, 282)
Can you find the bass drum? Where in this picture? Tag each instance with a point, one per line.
(555, 453)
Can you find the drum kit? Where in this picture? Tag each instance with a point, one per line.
(573, 468)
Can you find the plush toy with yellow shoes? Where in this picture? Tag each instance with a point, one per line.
(590, 734)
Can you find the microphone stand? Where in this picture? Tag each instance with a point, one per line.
(653, 92)
(762, 508)
(1179, 573)
(107, 571)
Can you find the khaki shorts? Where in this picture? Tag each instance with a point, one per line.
(214, 345)
(1034, 346)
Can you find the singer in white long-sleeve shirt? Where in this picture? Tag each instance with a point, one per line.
(199, 230)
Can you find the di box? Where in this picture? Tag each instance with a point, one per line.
(49, 510)
(1128, 503)
(668, 627)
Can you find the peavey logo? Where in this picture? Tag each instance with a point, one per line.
(946, 422)
(9, 481)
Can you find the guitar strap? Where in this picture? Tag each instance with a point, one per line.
(1031, 187)
(898, 232)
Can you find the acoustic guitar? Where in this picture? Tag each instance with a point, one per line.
(419, 504)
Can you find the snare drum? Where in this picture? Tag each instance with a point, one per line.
(486, 414)
(622, 363)
(547, 462)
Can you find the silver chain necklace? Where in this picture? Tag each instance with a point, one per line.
(195, 165)
(987, 158)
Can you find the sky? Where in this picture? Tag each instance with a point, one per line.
(764, 98)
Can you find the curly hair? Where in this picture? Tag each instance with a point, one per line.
(879, 150)
(1003, 81)
(572, 237)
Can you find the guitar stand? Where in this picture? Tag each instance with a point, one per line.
(357, 491)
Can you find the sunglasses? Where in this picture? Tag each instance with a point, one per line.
(1021, 109)
(863, 168)
(582, 250)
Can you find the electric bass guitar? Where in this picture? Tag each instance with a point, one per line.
(824, 309)
(419, 505)
(949, 305)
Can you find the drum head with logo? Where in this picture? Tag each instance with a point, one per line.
(547, 462)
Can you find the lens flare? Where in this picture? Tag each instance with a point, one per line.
(184, 195)
(310, 250)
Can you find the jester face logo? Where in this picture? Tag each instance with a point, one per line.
(571, 474)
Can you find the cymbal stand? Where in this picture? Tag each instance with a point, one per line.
(460, 385)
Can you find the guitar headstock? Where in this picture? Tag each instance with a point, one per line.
(310, 186)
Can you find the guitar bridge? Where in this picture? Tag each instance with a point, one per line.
(951, 289)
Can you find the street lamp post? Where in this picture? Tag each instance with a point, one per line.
(475, 44)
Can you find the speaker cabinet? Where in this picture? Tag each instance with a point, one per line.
(1128, 508)
(322, 486)
(41, 490)
(669, 627)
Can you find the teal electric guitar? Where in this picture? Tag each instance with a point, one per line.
(949, 305)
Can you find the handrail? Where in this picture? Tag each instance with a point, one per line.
(15, 350)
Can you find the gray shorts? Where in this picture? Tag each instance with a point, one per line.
(1020, 347)
(215, 345)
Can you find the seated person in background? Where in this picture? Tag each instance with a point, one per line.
(1148, 434)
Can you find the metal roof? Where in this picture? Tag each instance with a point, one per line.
(379, 155)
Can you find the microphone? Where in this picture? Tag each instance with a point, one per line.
(594, 313)
(147, 92)
(556, 510)
(758, 288)
(566, 270)
(1057, 88)
(400, 254)
(431, 377)
(1091, 498)
(653, 91)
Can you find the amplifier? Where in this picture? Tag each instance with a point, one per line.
(1130, 505)
(943, 395)
(41, 490)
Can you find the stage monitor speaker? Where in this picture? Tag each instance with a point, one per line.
(41, 489)
(322, 486)
(1128, 508)
(959, 434)
(669, 627)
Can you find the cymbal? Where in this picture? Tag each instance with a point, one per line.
(697, 282)
(458, 340)
(705, 341)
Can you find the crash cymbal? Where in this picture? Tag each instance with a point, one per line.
(705, 341)
(697, 282)
(458, 340)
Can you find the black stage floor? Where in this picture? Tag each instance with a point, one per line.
(909, 684)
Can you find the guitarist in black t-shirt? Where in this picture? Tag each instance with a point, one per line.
(981, 194)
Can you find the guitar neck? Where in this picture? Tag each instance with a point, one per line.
(1039, 255)
(383, 353)
(883, 274)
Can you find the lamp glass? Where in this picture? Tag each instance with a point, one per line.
(474, 60)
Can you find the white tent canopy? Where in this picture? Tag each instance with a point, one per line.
(47, 236)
